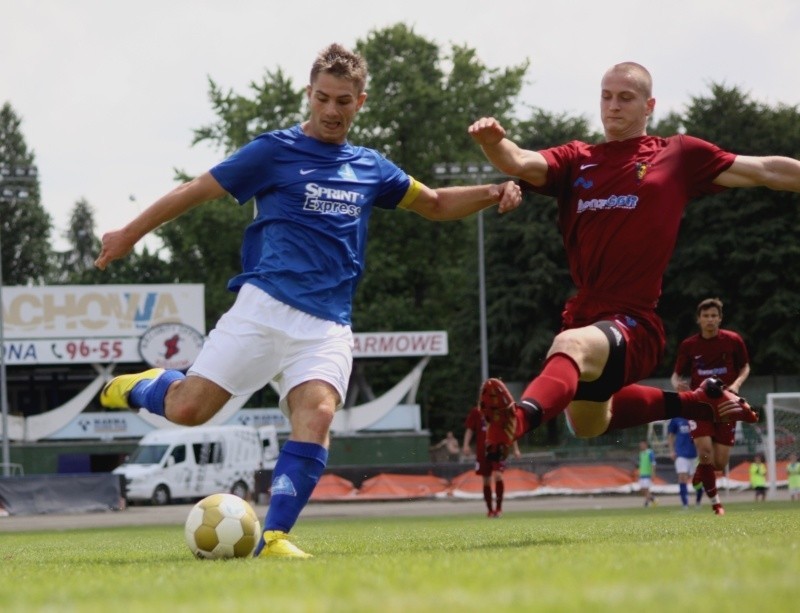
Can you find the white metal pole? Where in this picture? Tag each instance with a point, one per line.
(772, 473)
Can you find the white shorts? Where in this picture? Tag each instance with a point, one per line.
(262, 340)
(645, 483)
(684, 466)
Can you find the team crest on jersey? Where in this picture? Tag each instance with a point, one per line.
(641, 170)
(346, 172)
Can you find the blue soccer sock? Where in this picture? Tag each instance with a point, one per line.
(150, 393)
(684, 490)
(299, 467)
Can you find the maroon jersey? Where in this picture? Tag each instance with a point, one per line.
(620, 205)
(477, 424)
(723, 356)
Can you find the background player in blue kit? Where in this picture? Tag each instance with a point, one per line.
(302, 258)
(684, 454)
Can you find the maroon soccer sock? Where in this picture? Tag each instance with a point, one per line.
(636, 405)
(708, 476)
(499, 490)
(692, 408)
(487, 496)
(555, 386)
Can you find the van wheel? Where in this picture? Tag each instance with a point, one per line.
(160, 495)
(240, 489)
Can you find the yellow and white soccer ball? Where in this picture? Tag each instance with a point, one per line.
(222, 526)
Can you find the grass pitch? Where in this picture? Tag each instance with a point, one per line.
(659, 559)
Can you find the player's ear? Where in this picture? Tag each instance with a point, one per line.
(362, 97)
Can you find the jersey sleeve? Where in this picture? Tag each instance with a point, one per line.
(703, 162)
(397, 188)
(740, 355)
(469, 422)
(672, 427)
(682, 363)
(559, 160)
(246, 172)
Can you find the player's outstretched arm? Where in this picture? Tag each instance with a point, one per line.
(505, 155)
(118, 243)
(774, 172)
(457, 202)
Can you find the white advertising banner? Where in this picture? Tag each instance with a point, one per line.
(73, 324)
(399, 344)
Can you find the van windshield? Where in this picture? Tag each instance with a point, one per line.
(148, 454)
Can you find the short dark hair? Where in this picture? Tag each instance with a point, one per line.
(710, 303)
(340, 62)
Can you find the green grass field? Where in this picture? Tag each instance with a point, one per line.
(659, 559)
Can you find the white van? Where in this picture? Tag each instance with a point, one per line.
(193, 462)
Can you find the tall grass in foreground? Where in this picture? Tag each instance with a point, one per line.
(659, 559)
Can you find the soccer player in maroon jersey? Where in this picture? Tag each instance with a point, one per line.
(619, 208)
(713, 352)
(489, 463)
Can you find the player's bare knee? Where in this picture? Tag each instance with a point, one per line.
(187, 414)
(311, 424)
(570, 342)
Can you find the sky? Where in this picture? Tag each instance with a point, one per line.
(109, 93)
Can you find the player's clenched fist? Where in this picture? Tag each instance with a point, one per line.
(115, 245)
(510, 197)
(487, 131)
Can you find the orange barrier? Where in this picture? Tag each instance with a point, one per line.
(578, 479)
(333, 487)
(388, 486)
(515, 479)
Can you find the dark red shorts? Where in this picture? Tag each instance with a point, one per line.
(643, 331)
(485, 467)
(721, 433)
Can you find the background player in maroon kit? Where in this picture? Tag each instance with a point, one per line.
(713, 352)
(489, 466)
(620, 205)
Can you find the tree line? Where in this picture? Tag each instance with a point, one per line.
(740, 245)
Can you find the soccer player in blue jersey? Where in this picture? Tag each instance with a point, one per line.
(302, 258)
(683, 453)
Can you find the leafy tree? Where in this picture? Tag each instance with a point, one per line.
(276, 103)
(24, 224)
(76, 264)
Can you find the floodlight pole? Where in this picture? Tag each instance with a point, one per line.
(18, 176)
(477, 173)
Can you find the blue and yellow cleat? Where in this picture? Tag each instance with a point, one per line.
(277, 545)
(115, 393)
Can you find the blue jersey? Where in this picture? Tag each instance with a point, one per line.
(306, 245)
(684, 445)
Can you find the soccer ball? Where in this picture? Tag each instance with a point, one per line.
(222, 526)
